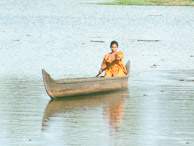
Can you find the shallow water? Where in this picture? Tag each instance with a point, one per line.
(62, 37)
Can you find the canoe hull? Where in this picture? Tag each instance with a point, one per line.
(82, 86)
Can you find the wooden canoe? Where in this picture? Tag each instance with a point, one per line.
(81, 86)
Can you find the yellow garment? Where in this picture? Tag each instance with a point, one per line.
(117, 68)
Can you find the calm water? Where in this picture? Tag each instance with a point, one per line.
(60, 36)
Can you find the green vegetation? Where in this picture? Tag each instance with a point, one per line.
(152, 2)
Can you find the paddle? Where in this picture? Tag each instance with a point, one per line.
(107, 67)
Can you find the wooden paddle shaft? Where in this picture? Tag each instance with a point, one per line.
(107, 67)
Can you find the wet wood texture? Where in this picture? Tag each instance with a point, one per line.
(82, 86)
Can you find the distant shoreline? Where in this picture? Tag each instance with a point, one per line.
(151, 2)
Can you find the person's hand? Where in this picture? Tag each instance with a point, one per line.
(100, 72)
(118, 58)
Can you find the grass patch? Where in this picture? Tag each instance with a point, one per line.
(151, 2)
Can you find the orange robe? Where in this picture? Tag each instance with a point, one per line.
(117, 68)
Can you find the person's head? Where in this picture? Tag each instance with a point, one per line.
(114, 46)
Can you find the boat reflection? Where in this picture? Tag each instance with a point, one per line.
(110, 103)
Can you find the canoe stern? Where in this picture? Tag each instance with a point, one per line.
(48, 83)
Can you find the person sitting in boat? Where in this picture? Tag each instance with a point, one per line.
(115, 58)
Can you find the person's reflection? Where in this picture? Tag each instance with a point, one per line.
(113, 107)
(113, 112)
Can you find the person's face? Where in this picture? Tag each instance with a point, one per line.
(114, 48)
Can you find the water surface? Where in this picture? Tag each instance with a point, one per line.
(69, 40)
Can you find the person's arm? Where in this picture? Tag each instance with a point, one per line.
(103, 65)
(119, 56)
